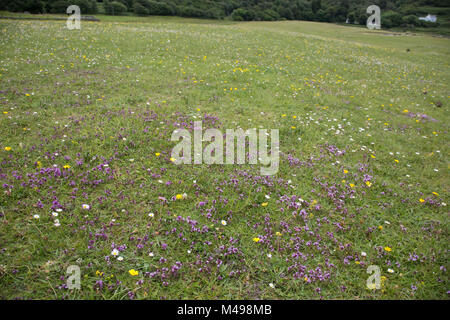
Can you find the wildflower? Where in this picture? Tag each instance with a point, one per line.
(55, 214)
(151, 254)
(436, 194)
(396, 160)
(278, 234)
(7, 148)
(387, 249)
(120, 258)
(115, 252)
(66, 166)
(185, 195)
(345, 171)
(372, 156)
(368, 183)
(86, 206)
(351, 185)
(380, 227)
(179, 197)
(151, 214)
(36, 216)
(173, 159)
(363, 254)
(421, 200)
(390, 270)
(133, 272)
(223, 222)
(264, 204)
(256, 239)
(157, 154)
(269, 256)
(272, 285)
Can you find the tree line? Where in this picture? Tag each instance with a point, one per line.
(394, 12)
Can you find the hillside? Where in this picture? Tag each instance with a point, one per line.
(395, 13)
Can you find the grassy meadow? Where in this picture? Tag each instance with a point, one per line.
(86, 179)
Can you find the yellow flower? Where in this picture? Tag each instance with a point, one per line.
(283, 115)
(179, 196)
(278, 234)
(256, 240)
(387, 249)
(372, 156)
(396, 160)
(66, 166)
(351, 185)
(380, 227)
(157, 154)
(7, 148)
(173, 159)
(421, 200)
(133, 272)
(368, 183)
(345, 171)
(264, 204)
(406, 111)
(292, 127)
(39, 164)
(436, 194)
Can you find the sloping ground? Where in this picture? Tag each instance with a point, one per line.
(87, 179)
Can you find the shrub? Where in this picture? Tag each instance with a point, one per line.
(115, 8)
(391, 19)
(139, 9)
(242, 15)
(411, 20)
(188, 11)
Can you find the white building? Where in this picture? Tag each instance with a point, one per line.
(429, 17)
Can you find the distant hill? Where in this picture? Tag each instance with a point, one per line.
(394, 12)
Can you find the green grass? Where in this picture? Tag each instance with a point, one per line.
(114, 91)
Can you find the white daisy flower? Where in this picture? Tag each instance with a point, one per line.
(363, 254)
(115, 252)
(36, 216)
(120, 258)
(86, 206)
(272, 285)
(223, 222)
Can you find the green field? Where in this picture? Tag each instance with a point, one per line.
(86, 119)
